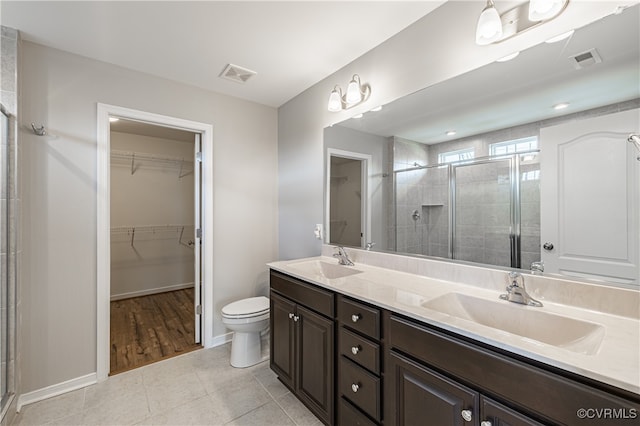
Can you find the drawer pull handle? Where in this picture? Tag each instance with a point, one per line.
(290, 315)
(486, 423)
(467, 415)
(296, 318)
(355, 317)
(355, 349)
(355, 387)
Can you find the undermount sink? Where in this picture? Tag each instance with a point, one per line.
(327, 270)
(571, 334)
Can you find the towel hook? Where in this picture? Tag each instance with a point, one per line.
(40, 131)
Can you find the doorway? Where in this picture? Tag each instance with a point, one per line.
(136, 244)
(154, 194)
(348, 198)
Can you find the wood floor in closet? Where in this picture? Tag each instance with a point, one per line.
(151, 328)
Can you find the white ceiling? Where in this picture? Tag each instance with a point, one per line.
(290, 44)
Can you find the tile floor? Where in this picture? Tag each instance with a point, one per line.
(198, 388)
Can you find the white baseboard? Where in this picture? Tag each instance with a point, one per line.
(55, 390)
(150, 291)
(221, 339)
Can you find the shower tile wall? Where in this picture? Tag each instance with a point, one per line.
(408, 193)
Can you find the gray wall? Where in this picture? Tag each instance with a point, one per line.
(61, 90)
(437, 47)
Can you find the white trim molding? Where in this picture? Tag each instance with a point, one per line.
(104, 111)
(150, 291)
(55, 390)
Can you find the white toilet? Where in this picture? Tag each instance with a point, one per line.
(246, 318)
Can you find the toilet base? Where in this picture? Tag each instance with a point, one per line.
(246, 349)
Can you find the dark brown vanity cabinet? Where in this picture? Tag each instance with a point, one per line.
(359, 363)
(302, 342)
(434, 378)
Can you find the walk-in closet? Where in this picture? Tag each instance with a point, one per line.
(153, 203)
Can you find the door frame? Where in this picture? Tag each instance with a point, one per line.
(103, 243)
(365, 205)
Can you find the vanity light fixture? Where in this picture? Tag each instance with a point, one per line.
(356, 94)
(560, 106)
(489, 28)
(541, 10)
(494, 27)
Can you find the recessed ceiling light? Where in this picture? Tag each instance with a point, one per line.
(560, 106)
(451, 132)
(508, 57)
(376, 109)
(113, 119)
(560, 37)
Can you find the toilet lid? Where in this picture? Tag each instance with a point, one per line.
(247, 307)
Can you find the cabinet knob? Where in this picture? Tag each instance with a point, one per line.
(290, 315)
(467, 415)
(547, 246)
(486, 423)
(296, 318)
(355, 349)
(355, 387)
(355, 317)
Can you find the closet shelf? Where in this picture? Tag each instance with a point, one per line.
(143, 159)
(184, 234)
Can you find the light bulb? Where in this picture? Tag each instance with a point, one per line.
(354, 94)
(540, 10)
(489, 27)
(335, 103)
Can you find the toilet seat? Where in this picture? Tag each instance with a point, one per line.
(246, 308)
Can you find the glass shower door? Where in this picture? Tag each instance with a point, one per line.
(4, 276)
(485, 217)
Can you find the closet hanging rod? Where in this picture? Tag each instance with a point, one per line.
(144, 156)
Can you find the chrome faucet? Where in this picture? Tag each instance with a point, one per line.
(537, 268)
(517, 293)
(343, 257)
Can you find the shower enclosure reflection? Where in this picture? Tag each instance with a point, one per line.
(471, 210)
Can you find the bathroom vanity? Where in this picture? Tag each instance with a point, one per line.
(364, 345)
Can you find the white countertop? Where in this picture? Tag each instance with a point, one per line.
(616, 362)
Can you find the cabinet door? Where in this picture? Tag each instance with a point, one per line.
(496, 414)
(282, 338)
(416, 395)
(315, 362)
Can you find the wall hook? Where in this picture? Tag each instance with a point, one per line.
(40, 131)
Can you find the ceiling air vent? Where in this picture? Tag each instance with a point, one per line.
(585, 59)
(237, 74)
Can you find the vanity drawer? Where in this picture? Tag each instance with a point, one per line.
(360, 387)
(348, 415)
(359, 317)
(313, 297)
(360, 350)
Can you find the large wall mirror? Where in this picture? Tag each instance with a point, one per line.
(519, 164)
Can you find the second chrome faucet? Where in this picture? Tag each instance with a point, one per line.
(517, 293)
(343, 257)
